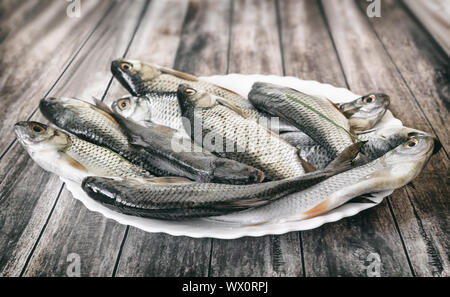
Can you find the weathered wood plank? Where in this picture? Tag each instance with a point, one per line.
(72, 228)
(309, 54)
(423, 66)
(368, 67)
(307, 48)
(146, 254)
(255, 48)
(435, 16)
(22, 213)
(35, 52)
(425, 69)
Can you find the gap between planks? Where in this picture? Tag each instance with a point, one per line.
(103, 96)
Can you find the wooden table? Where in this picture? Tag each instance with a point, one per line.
(44, 52)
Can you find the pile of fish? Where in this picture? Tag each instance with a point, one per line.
(179, 147)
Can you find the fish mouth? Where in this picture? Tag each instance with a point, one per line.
(437, 146)
(20, 129)
(123, 77)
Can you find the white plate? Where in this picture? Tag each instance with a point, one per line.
(205, 228)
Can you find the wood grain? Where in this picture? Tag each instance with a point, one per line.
(309, 54)
(423, 66)
(27, 193)
(254, 48)
(44, 51)
(425, 70)
(367, 67)
(72, 228)
(435, 16)
(35, 51)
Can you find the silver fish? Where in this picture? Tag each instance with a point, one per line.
(140, 78)
(156, 108)
(333, 136)
(187, 200)
(226, 132)
(391, 171)
(71, 157)
(99, 125)
(378, 142)
(364, 112)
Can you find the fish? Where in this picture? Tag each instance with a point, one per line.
(393, 170)
(378, 142)
(140, 78)
(71, 157)
(155, 108)
(225, 131)
(99, 125)
(325, 124)
(178, 201)
(365, 112)
(87, 122)
(175, 152)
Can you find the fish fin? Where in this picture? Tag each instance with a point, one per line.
(102, 108)
(167, 180)
(227, 90)
(164, 129)
(344, 160)
(362, 199)
(321, 208)
(177, 73)
(231, 106)
(308, 167)
(366, 131)
(75, 164)
(411, 185)
(364, 159)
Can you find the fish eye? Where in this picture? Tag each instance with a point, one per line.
(123, 104)
(412, 142)
(37, 128)
(125, 66)
(368, 99)
(190, 91)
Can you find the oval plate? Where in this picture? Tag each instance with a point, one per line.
(207, 228)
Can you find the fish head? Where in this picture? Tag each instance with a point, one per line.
(190, 97)
(409, 158)
(63, 111)
(364, 112)
(133, 108)
(36, 137)
(133, 74)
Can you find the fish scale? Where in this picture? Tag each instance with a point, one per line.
(105, 160)
(181, 201)
(254, 145)
(166, 82)
(295, 206)
(391, 171)
(273, 99)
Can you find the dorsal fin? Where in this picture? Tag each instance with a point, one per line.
(177, 73)
(168, 180)
(231, 106)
